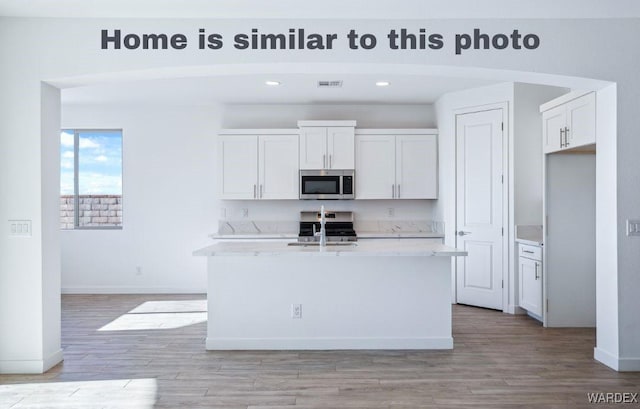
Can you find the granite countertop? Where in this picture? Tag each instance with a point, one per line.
(365, 247)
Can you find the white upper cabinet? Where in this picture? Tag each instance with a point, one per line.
(313, 148)
(238, 170)
(396, 166)
(581, 121)
(375, 166)
(553, 124)
(570, 124)
(416, 167)
(327, 144)
(256, 167)
(341, 147)
(278, 167)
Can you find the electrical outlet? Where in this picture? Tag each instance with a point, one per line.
(245, 212)
(138, 270)
(391, 211)
(20, 228)
(633, 227)
(296, 311)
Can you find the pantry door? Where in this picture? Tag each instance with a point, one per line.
(479, 208)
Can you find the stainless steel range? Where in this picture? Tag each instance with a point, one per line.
(338, 227)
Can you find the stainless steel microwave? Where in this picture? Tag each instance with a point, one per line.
(327, 184)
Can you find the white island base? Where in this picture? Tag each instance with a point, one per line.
(349, 299)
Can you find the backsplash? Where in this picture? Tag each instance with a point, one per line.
(230, 227)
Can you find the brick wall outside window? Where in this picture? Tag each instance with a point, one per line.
(94, 211)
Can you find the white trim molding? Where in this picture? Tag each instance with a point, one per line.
(327, 343)
(616, 363)
(31, 366)
(131, 290)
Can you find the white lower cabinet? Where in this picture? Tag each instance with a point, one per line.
(530, 270)
(254, 167)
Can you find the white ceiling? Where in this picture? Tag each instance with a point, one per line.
(335, 9)
(296, 88)
(251, 89)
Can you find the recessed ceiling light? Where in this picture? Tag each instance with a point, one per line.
(272, 83)
(382, 83)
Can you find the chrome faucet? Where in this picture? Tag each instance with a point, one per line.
(323, 233)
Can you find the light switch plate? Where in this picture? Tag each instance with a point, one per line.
(633, 227)
(20, 228)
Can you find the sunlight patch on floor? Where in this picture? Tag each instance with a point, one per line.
(152, 315)
(116, 393)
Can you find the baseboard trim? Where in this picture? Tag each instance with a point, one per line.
(629, 364)
(52, 360)
(605, 358)
(616, 363)
(31, 366)
(132, 290)
(327, 343)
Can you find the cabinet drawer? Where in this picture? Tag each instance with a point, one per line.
(532, 252)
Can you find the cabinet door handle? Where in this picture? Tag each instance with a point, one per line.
(330, 157)
(260, 191)
(537, 276)
(393, 191)
(566, 136)
(324, 161)
(527, 251)
(398, 190)
(562, 138)
(254, 191)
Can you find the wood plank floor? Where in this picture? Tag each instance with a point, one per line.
(147, 351)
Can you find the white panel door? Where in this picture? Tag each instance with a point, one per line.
(479, 208)
(238, 166)
(416, 167)
(375, 166)
(531, 285)
(581, 121)
(278, 167)
(553, 121)
(340, 147)
(313, 148)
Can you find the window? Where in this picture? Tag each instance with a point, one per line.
(90, 179)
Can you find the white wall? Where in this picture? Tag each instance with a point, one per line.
(50, 170)
(607, 319)
(523, 175)
(169, 203)
(170, 191)
(367, 116)
(569, 49)
(527, 150)
(446, 108)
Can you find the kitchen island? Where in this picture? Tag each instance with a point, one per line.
(374, 294)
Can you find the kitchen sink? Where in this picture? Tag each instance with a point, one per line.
(316, 244)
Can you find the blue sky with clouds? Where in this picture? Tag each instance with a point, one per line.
(100, 162)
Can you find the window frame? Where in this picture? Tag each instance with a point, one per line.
(76, 179)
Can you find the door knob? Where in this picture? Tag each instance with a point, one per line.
(463, 233)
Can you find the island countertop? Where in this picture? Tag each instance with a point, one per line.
(364, 247)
